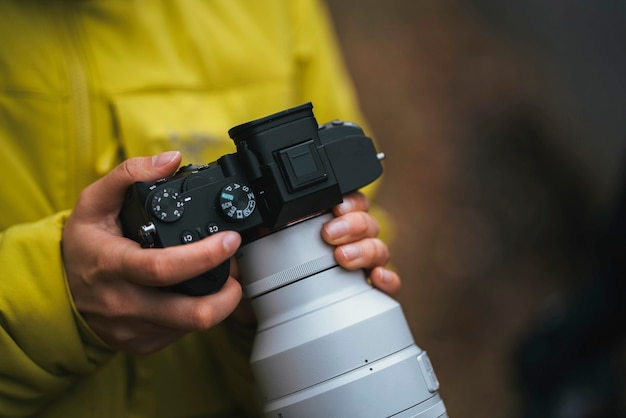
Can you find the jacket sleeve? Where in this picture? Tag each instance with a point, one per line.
(44, 345)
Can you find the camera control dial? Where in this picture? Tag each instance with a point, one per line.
(237, 201)
(166, 205)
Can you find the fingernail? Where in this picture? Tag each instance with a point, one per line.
(231, 241)
(351, 252)
(385, 277)
(164, 158)
(345, 206)
(336, 228)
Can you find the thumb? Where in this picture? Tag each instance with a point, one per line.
(107, 194)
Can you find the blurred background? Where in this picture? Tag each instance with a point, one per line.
(503, 125)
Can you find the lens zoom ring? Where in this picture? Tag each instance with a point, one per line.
(290, 275)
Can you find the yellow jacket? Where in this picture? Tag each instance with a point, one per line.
(85, 84)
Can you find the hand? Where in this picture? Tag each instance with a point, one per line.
(354, 232)
(114, 282)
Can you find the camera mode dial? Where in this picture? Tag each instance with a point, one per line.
(166, 205)
(237, 201)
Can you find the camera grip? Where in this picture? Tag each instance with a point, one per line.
(206, 283)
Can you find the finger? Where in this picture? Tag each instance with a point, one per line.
(147, 319)
(352, 202)
(107, 194)
(386, 280)
(171, 265)
(135, 336)
(365, 254)
(350, 227)
(192, 313)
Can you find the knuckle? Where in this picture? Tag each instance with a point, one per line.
(360, 223)
(116, 305)
(363, 201)
(365, 225)
(122, 335)
(378, 253)
(201, 317)
(213, 256)
(382, 252)
(157, 269)
(374, 226)
(128, 168)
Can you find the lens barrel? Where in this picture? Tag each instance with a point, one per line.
(328, 344)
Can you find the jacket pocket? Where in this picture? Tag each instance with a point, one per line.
(194, 123)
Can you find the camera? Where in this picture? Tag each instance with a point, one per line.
(286, 168)
(328, 344)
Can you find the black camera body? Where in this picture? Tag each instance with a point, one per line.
(286, 168)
